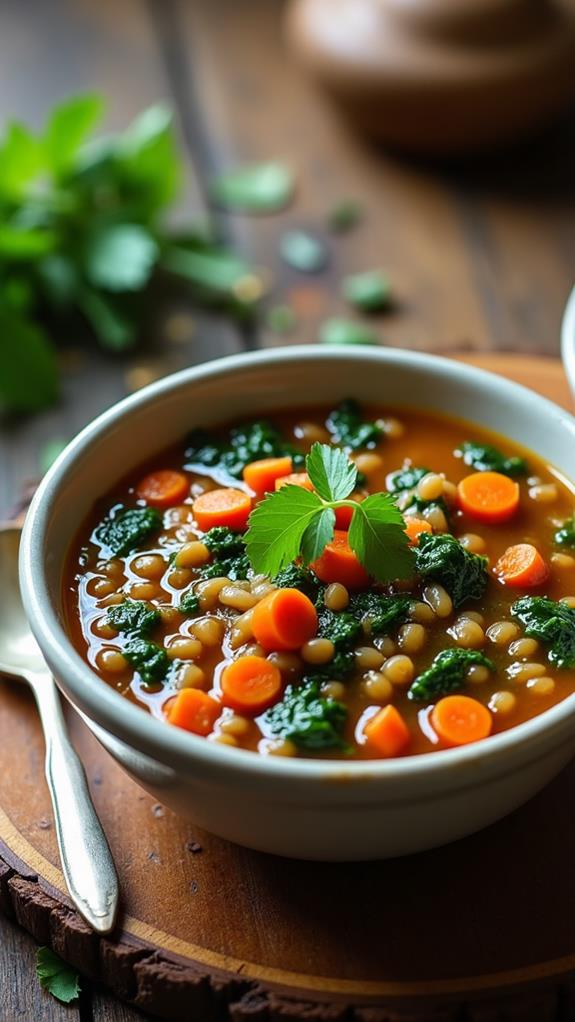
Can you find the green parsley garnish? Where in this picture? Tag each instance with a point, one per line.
(369, 291)
(56, 976)
(293, 522)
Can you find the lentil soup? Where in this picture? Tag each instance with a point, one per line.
(329, 655)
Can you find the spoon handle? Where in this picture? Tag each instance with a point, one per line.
(86, 858)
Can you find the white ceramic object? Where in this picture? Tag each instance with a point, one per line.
(305, 808)
(568, 340)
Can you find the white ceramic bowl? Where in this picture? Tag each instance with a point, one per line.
(568, 340)
(305, 808)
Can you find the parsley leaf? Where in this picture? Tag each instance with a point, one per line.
(56, 976)
(277, 525)
(331, 472)
(317, 535)
(377, 535)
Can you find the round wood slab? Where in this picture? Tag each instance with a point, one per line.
(481, 929)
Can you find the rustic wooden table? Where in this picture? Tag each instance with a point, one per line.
(481, 256)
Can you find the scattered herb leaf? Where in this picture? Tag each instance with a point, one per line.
(304, 252)
(56, 976)
(263, 188)
(343, 332)
(369, 291)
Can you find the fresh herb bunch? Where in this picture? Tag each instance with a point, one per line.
(551, 623)
(82, 234)
(294, 522)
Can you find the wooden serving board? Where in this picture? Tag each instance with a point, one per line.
(482, 929)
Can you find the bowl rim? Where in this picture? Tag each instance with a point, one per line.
(568, 339)
(173, 746)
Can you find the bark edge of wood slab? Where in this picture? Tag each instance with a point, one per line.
(211, 932)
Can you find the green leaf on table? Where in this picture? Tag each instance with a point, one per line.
(29, 377)
(342, 332)
(20, 160)
(263, 188)
(210, 269)
(22, 245)
(276, 528)
(331, 472)
(377, 536)
(68, 126)
(111, 327)
(303, 251)
(146, 156)
(317, 535)
(345, 215)
(369, 292)
(120, 257)
(56, 976)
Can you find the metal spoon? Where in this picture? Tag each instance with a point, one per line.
(86, 858)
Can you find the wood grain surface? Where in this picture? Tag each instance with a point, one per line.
(480, 256)
(208, 927)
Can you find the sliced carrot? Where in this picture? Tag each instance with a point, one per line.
(222, 507)
(338, 563)
(261, 476)
(295, 479)
(193, 710)
(488, 496)
(523, 566)
(163, 488)
(284, 620)
(343, 517)
(459, 720)
(250, 684)
(414, 528)
(387, 732)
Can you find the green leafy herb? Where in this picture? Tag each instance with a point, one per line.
(308, 719)
(380, 613)
(150, 661)
(340, 627)
(294, 576)
(125, 529)
(189, 604)
(442, 558)
(369, 292)
(223, 542)
(227, 458)
(347, 427)
(446, 674)
(292, 522)
(405, 478)
(551, 623)
(82, 235)
(337, 669)
(229, 552)
(264, 188)
(303, 251)
(345, 215)
(134, 617)
(484, 458)
(565, 536)
(56, 976)
(342, 332)
(281, 319)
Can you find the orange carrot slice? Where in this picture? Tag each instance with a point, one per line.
(521, 566)
(387, 732)
(338, 563)
(284, 620)
(194, 711)
(343, 517)
(488, 496)
(163, 488)
(414, 528)
(222, 507)
(295, 479)
(250, 684)
(261, 475)
(459, 720)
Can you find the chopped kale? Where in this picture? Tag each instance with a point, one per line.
(382, 612)
(150, 661)
(189, 604)
(246, 443)
(348, 429)
(446, 674)
(229, 550)
(484, 458)
(134, 617)
(307, 718)
(405, 478)
(304, 579)
(337, 669)
(127, 528)
(340, 627)
(565, 536)
(443, 559)
(551, 623)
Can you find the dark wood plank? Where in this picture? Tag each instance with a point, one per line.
(22, 997)
(106, 1008)
(48, 51)
(481, 255)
